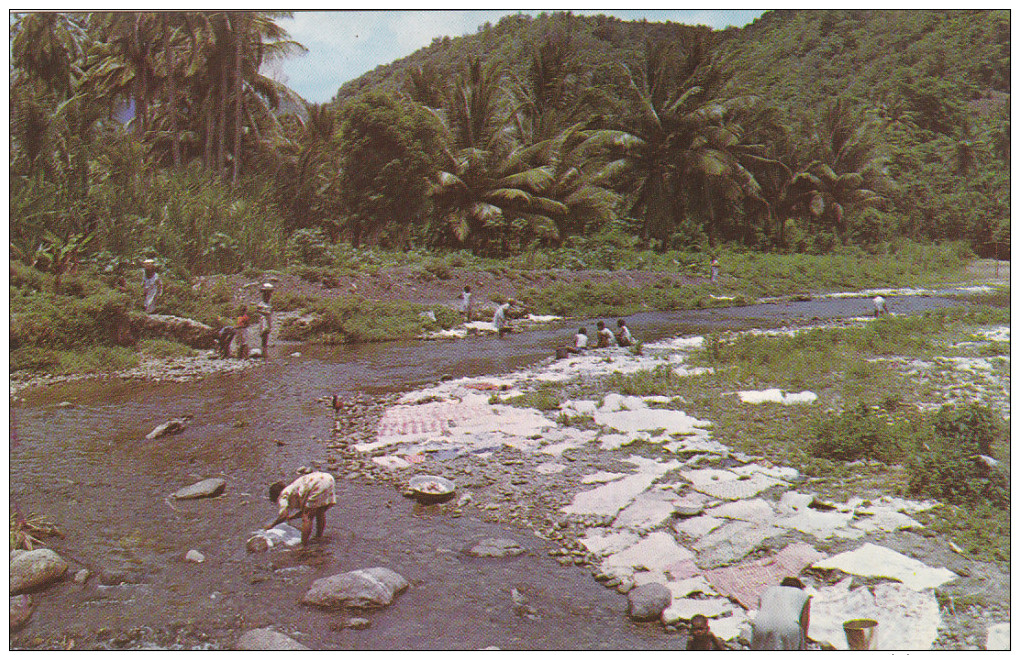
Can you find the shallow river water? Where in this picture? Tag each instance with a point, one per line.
(88, 469)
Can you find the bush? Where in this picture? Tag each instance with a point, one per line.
(855, 434)
(309, 246)
(971, 427)
(164, 348)
(353, 319)
(950, 469)
(31, 358)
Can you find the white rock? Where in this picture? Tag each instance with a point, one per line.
(267, 639)
(998, 637)
(194, 556)
(877, 561)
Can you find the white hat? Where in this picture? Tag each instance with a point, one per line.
(267, 287)
(148, 262)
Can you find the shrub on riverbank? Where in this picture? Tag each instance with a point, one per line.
(353, 319)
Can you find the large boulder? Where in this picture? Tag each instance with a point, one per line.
(33, 568)
(646, 602)
(203, 489)
(185, 330)
(376, 587)
(21, 610)
(268, 639)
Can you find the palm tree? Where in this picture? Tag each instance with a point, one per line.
(849, 170)
(679, 145)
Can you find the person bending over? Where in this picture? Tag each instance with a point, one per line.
(309, 497)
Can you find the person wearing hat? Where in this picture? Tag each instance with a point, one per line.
(265, 312)
(152, 286)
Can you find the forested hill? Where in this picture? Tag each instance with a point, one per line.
(805, 131)
(932, 86)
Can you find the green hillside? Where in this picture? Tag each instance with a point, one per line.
(806, 131)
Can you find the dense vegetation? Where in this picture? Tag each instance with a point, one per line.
(803, 132)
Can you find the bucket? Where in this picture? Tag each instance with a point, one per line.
(860, 633)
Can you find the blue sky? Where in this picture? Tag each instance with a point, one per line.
(346, 44)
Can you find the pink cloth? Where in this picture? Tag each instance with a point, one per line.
(746, 582)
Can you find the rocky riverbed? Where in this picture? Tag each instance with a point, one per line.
(637, 490)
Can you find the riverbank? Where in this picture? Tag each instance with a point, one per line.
(614, 293)
(613, 460)
(275, 420)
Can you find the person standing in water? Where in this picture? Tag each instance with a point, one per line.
(264, 308)
(152, 286)
(309, 497)
(465, 304)
(500, 320)
(715, 270)
(880, 307)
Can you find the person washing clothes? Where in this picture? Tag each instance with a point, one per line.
(623, 337)
(309, 497)
(784, 613)
(264, 308)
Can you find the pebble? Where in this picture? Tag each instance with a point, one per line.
(81, 576)
(194, 556)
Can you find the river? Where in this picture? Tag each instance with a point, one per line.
(88, 469)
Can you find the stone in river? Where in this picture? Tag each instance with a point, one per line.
(495, 547)
(172, 426)
(194, 556)
(375, 587)
(32, 568)
(82, 576)
(204, 489)
(21, 610)
(268, 639)
(646, 602)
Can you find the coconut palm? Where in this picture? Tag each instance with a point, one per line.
(679, 143)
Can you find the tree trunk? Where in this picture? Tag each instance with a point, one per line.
(221, 135)
(238, 26)
(171, 91)
(141, 108)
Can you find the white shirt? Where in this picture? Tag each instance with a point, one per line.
(580, 341)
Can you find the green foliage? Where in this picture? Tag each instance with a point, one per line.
(970, 427)
(164, 348)
(352, 319)
(859, 433)
(309, 246)
(949, 468)
(541, 399)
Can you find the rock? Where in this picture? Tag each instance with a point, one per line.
(257, 543)
(375, 587)
(495, 547)
(646, 602)
(22, 608)
(194, 556)
(268, 639)
(33, 568)
(355, 623)
(65, 404)
(998, 637)
(173, 426)
(81, 576)
(185, 330)
(204, 489)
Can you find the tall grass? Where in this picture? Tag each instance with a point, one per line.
(352, 319)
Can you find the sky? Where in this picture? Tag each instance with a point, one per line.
(343, 45)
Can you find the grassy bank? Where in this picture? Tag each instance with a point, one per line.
(69, 327)
(893, 413)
